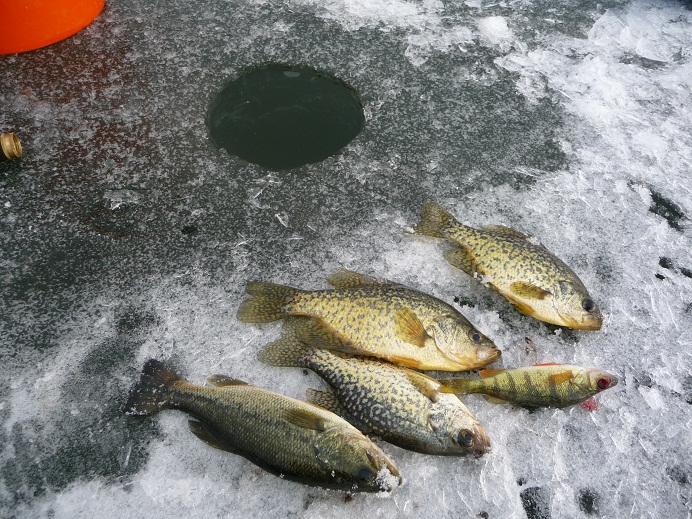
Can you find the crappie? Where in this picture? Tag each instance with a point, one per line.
(287, 437)
(378, 318)
(397, 404)
(542, 385)
(522, 270)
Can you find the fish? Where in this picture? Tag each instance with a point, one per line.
(373, 317)
(541, 385)
(514, 264)
(293, 439)
(397, 404)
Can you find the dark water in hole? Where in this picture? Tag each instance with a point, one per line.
(282, 117)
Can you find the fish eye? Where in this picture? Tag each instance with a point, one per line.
(465, 438)
(602, 383)
(365, 474)
(475, 336)
(588, 304)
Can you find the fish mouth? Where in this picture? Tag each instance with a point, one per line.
(592, 321)
(388, 478)
(481, 442)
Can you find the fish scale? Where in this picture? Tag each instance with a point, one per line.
(285, 436)
(512, 263)
(399, 405)
(378, 318)
(555, 385)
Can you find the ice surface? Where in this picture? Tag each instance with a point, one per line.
(127, 235)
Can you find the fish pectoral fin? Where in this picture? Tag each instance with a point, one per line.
(461, 259)
(528, 290)
(345, 278)
(207, 435)
(305, 418)
(409, 328)
(559, 378)
(223, 380)
(485, 373)
(503, 230)
(429, 387)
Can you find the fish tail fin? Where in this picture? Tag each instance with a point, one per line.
(151, 393)
(459, 386)
(434, 220)
(287, 351)
(266, 303)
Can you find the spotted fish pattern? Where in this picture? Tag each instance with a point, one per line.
(514, 264)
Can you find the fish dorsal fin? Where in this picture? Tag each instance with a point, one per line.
(345, 278)
(460, 259)
(547, 364)
(561, 377)
(528, 290)
(409, 328)
(429, 387)
(305, 418)
(204, 433)
(491, 372)
(503, 230)
(223, 381)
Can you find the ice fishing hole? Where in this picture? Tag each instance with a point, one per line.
(282, 116)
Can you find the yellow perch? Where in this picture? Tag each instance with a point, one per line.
(518, 267)
(379, 318)
(287, 437)
(401, 406)
(542, 385)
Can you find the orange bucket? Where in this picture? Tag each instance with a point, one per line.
(31, 24)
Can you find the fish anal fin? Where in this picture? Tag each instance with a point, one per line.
(461, 259)
(491, 372)
(207, 435)
(288, 350)
(404, 361)
(562, 377)
(223, 381)
(326, 399)
(409, 328)
(527, 290)
(495, 400)
(503, 230)
(305, 418)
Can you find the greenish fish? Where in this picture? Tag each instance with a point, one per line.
(542, 385)
(518, 267)
(401, 406)
(379, 318)
(287, 437)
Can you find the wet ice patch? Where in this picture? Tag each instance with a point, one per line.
(494, 30)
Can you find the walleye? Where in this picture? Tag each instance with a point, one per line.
(542, 385)
(379, 318)
(287, 437)
(401, 406)
(512, 263)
